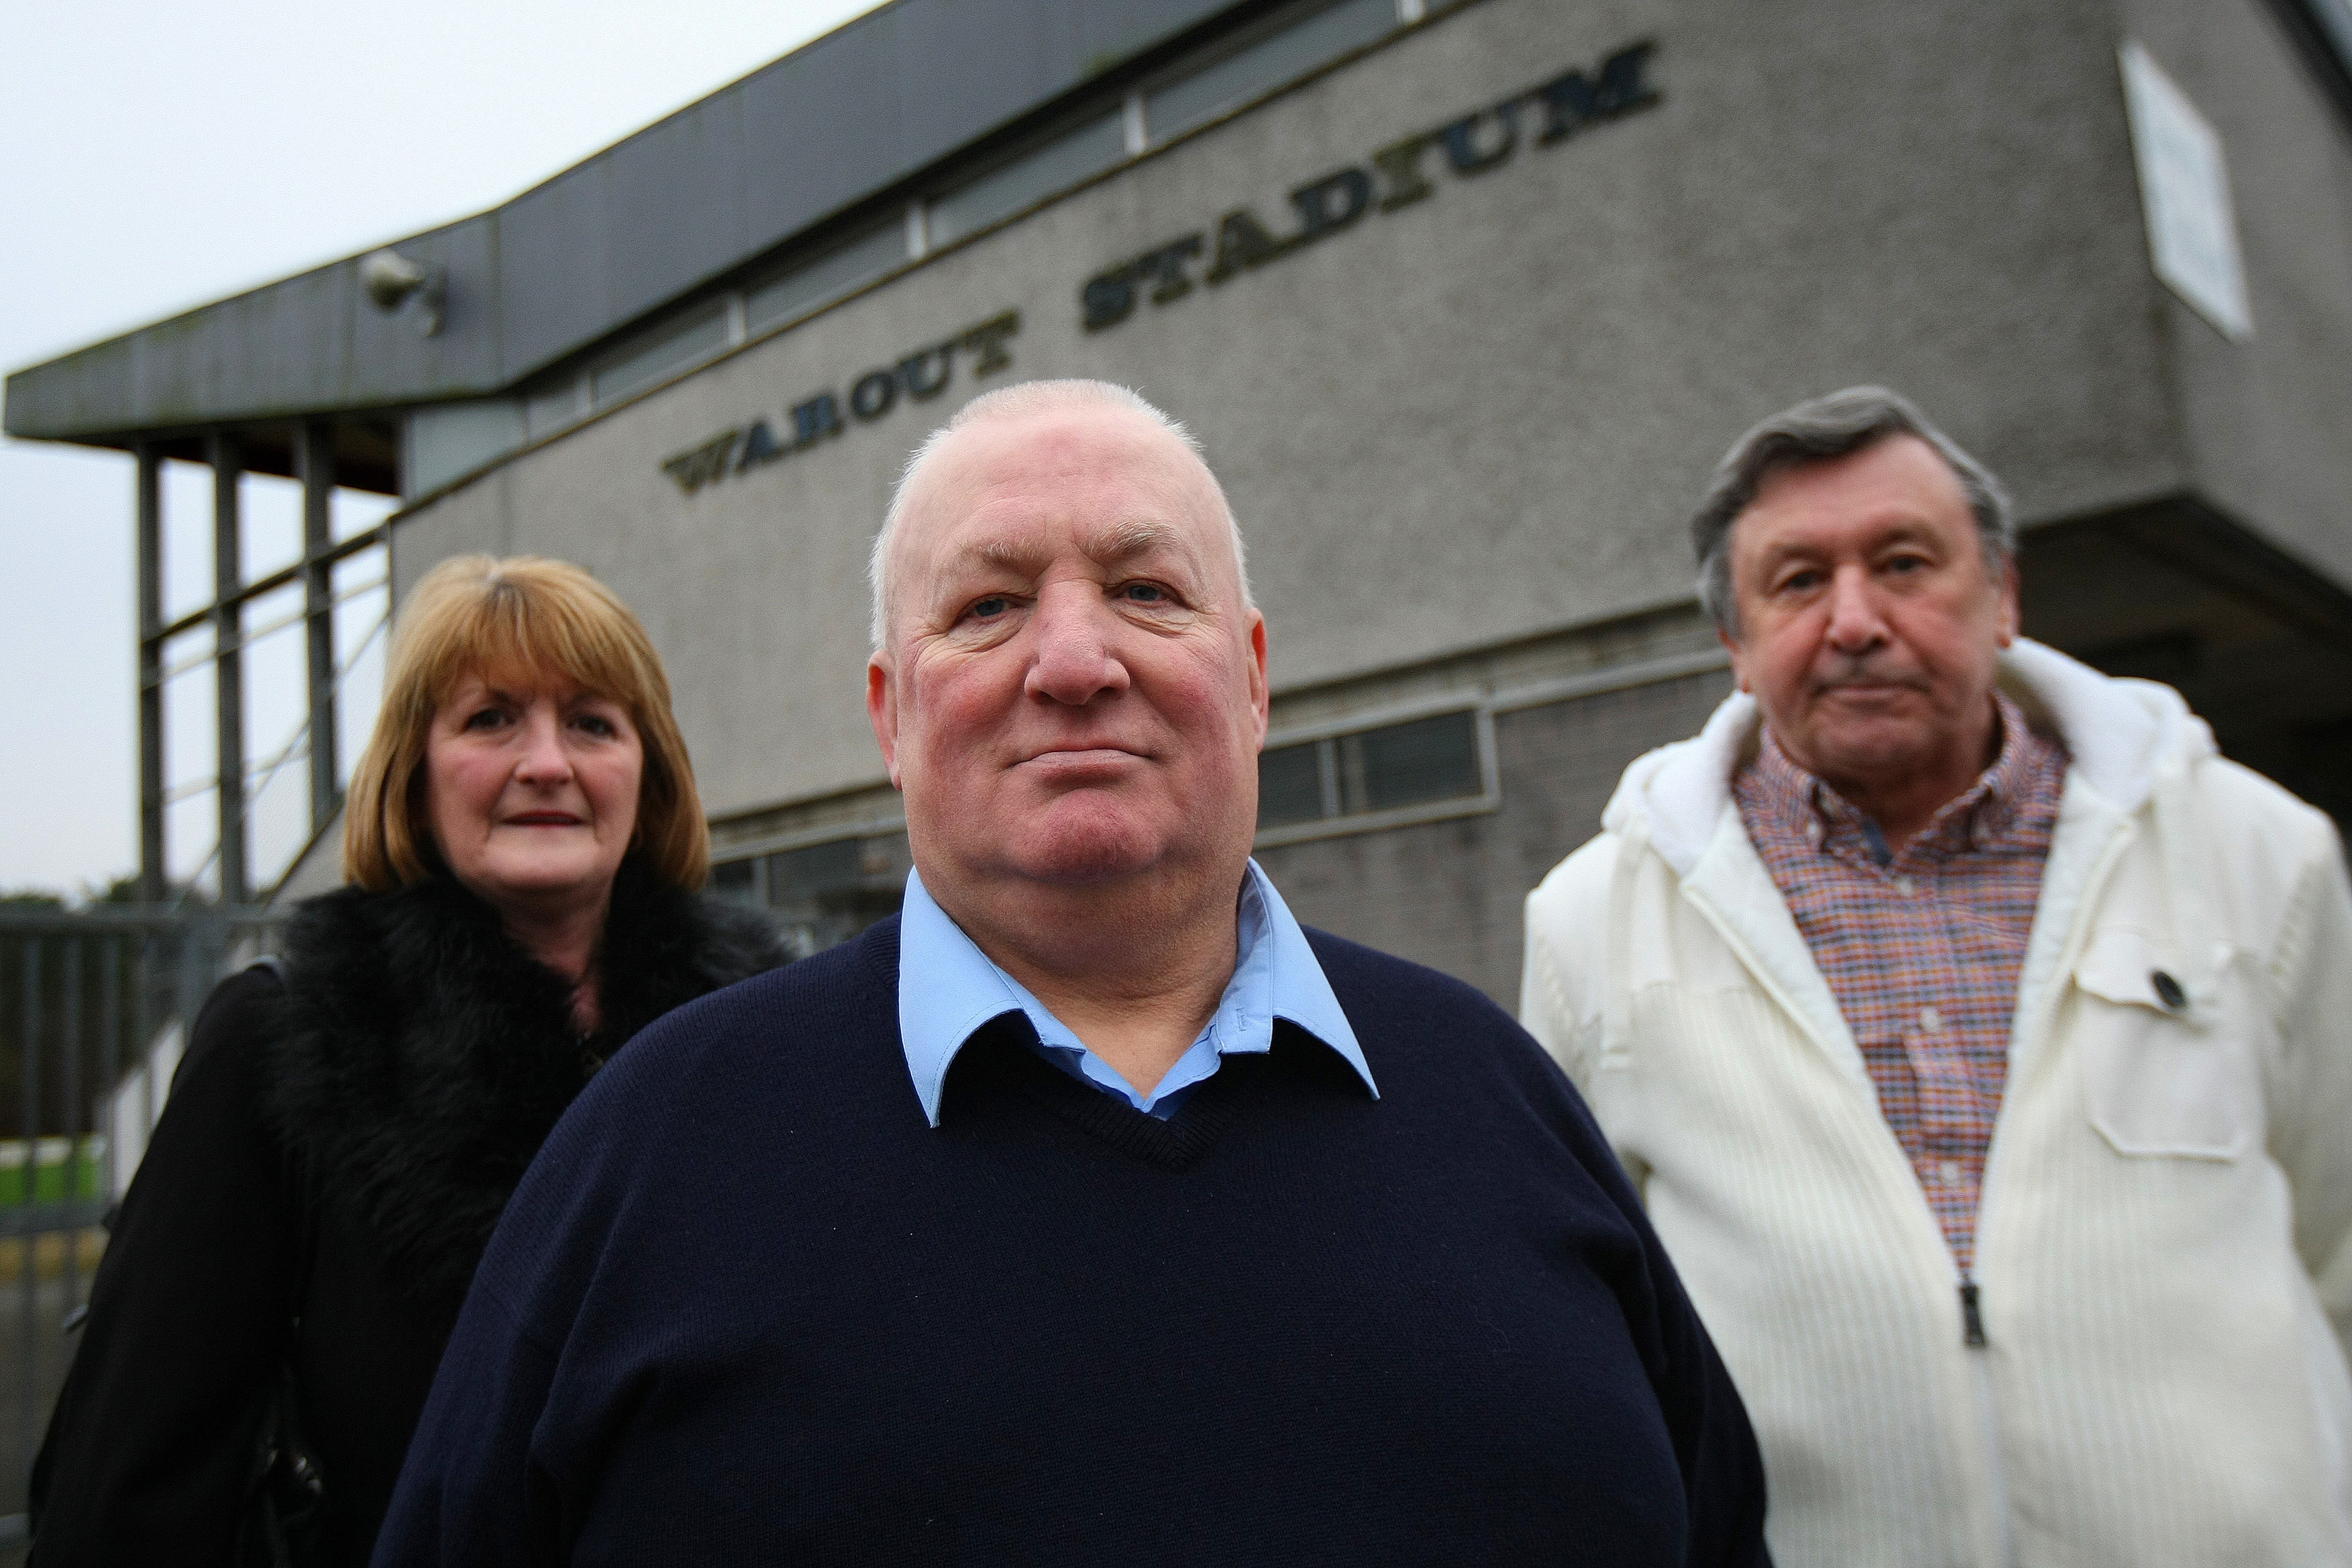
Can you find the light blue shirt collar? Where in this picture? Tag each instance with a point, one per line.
(948, 989)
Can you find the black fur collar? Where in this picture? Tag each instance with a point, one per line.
(425, 1056)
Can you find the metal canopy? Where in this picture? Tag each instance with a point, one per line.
(566, 263)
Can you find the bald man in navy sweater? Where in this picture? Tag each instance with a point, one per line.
(1089, 1210)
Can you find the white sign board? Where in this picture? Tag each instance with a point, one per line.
(2192, 232)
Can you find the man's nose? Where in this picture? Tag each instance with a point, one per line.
(1074, 660)
(1856, 625)
(543, 759)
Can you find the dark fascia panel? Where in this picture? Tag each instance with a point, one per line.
(680, 203)
(307, 343)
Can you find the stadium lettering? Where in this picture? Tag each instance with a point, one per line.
(919, 377)
(1395, 176)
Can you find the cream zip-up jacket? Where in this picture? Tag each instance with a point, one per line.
(2164, 1250)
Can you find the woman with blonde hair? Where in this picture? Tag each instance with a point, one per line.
(524, 846)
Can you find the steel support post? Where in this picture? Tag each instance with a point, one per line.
(69, 1069)
(109, 1060)
(314, 457)
(226, 454)
(28, 1090)
(150, 513)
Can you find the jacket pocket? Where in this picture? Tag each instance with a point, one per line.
(2162, 1077)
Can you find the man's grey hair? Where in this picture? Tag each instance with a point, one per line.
(1816, 431)
(1017, 402)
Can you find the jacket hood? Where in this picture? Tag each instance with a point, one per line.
(2120, 734)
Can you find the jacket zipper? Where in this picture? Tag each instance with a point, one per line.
(1974, 1343)
(1977, 1348)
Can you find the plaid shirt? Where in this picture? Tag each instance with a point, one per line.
(1921, 947)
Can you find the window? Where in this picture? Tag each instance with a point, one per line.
(806, 875)
(1290, 785)
(826, 277)
(1267, 64)
(737, 881)
(821, 894)
(1419, 763)
(671, 347)
(1059, 164)
(1410, 765)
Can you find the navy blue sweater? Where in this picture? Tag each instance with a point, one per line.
(747, 1307)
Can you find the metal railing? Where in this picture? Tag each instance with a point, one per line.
(95, 1006)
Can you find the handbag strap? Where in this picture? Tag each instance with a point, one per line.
(290, 1181)
(278, 1531)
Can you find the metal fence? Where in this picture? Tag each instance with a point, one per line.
(95, 1005)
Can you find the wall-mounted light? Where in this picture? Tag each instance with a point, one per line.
(391, 279)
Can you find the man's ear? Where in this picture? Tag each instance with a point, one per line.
(1726, 614)
(2011, 623)
(882, 710)
(1738, 663)
(1261, 700)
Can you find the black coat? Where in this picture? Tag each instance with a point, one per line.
(377, 1107)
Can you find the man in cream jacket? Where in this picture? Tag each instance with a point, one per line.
(1981, 1043)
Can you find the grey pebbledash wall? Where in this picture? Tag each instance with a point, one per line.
(1479, 418)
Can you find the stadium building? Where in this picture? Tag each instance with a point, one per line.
(1464, 299)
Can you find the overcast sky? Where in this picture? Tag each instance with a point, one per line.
(162, 155)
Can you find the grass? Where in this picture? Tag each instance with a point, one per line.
(55, 1176)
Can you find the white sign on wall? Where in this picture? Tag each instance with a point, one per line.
(2193, 230)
